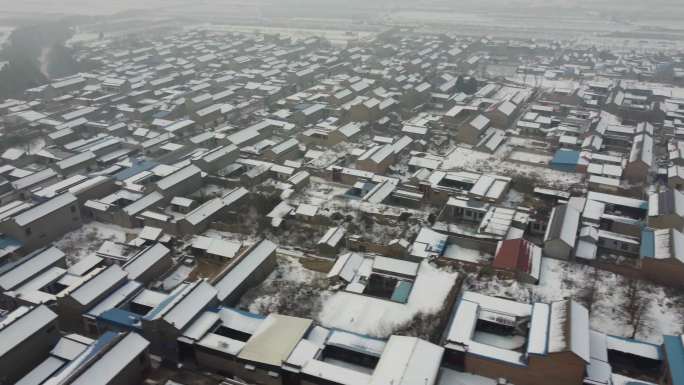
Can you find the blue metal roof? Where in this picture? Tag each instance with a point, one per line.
(566, 157)
(99, 344)
(8, 245)
(674, 350)
(135, 169)
(121, 318)
(402, 291)
(647, 248)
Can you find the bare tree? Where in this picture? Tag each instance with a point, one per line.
(589, 294)
(635, 305)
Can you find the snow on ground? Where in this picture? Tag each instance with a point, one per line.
(514, 198)
(500, 341)
(88, 239)
(211, 191)
(247, 240)
(529, 157)
(36, 145)
(290, 289)
(457, 252)
(544, 82)
(320, 192)
(330, 198)
(533, 144)
(379, 318)
(462, 158)
(177, 277)
(561, 280)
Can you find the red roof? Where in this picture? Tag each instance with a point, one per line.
(514, 254)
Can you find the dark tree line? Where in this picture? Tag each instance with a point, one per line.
(23, 51)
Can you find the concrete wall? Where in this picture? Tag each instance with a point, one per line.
(216, 361)
(664, 271)
(134, 372)
(671, 221)
(556, 368)
(47, 229)
(555, 248)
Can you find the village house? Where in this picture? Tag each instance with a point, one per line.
(469, 133)
(44, 223)
(331, 241)
(182, 182)
(666, 210)
(26, 336)
(167, 320)
(97, 285)
(245, 271)
(112, 359)
(535, 344)
(561, 233)
(150, 264)
(641, 159)
(376, 159)
(662, 256)
(520, 258)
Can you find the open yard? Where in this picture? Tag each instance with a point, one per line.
(88, 239)
(461, 158)
(663, 312)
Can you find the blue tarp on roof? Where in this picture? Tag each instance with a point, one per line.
(121, 318)
(565, 160)
(647, 248)
(98, 345)
(8, 245)
(135, 169)
(674, 350)
(402, 291)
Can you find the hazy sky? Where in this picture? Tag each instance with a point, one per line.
(111, 6)
(635, 10)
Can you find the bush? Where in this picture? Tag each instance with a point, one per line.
(422, 325)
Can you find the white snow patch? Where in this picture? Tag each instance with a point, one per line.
(462, 158)
(379, 318)
(560, 280)
(87, 239)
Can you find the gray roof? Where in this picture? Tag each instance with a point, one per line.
(21, 324)
(112, 362)
(44, 209)
(143, 203)
(177, 177)
(563, 224)
(30, 266)
(33, 179)
(145, 260)
(191, 305)
(666, 203)
(96, 286)
(243, 268)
